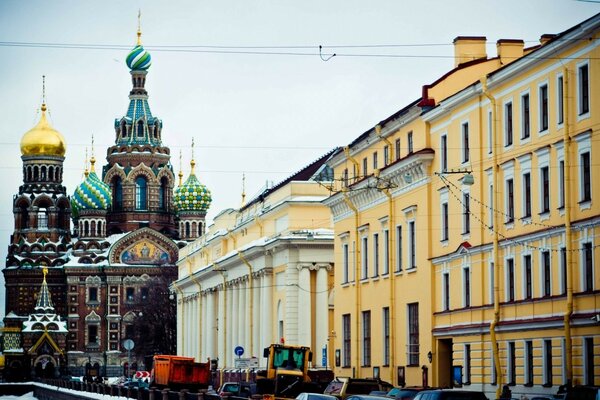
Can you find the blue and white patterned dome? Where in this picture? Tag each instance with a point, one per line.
(138, 58)
(91, 194)
(192, 195)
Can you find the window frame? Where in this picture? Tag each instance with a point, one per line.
(508, 124)
(543, 108)
(525, 117)
(583, 96)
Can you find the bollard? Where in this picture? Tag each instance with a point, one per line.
(182, 394)
(165, 394)
(201, 393)
(151, 394)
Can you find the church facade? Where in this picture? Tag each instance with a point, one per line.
(120, 254)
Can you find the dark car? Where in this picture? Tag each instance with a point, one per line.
(344, 387)
(406, 393)
(450, 394)
(366, 397)
(583, 393)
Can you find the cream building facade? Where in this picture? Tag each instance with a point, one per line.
(261, 274)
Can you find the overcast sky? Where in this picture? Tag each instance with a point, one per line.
(265, 115)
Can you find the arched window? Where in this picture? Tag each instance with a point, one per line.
(187, 229)
(43, 178)
(24, 217)
(117, 194)
(141, 193)
(42, 218)
(99, 228)
(86, 228)
(163, 193)
(194, 229)
(29, 174)
(51, 173)
(140, 128)
(123, 129)
(36, 173)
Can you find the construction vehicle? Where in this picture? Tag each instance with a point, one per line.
(177, 372)
(287, 372)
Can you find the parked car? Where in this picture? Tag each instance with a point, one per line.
(366, 397)
(229, 387)
(344, 387)
(449, 394)
(406, 393)
(583, 393)
(315, 396)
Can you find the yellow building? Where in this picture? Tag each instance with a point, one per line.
(467, 219)
(261, 274)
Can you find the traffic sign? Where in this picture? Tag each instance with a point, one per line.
(324, 356)
(238, 351)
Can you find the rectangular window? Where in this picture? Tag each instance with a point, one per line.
(93, 294)
(129, 293)
(398, 248)
(413, 334)
(365, 258)
(588, 361)
(386, 252)
(528, 276)
(397, 149)
(512, 364)
(375, 254)
(528, 363)
(510, 277)
(466, 287)
(525, 117)
(365, 167)
(543, 97)
(545, 182)
(467, 361)
(466, 213)
(561, 184)
(583, 85)
(585, 177)
(345, 263)
(386, 155)
(412, 245)
(491, 208)
(92, 334)
(444, 221)
(546, 272)
(526, 195)
(465, 142)
(510, 201)
(547, 362)
(366, 350)
(446, 291)
(563, 268)
(508, 124)
(346, 354)
(444, 155)
(386, 335)
(375, 160)
(588, 265)
(410, 142)
(559, 100)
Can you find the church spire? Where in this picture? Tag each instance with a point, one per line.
(44, 302)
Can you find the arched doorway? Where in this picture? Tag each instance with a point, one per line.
(45, 367)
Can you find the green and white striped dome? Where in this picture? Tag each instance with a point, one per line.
(192, 195)
(91, 194)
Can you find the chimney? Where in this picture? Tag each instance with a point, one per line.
(546, 37)
(509, 50)
(468, 48)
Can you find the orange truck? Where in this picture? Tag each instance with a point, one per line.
(177, 372)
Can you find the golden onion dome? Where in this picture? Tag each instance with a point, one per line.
(43, 139)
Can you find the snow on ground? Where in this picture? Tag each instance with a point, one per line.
(29, 396)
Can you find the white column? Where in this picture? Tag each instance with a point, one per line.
(235, 320)
(321, 312)
(203, 326)
(221, 327)
(256, 346)
(267, 310)
(180, 332)
(243, 313)
(248, 328)
(209, 326)
(304, 307)
(229, 329)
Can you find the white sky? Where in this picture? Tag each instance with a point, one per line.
(263, 115)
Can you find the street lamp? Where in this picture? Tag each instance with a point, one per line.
(467, 179)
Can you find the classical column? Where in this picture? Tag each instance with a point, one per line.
(267, 309)
(249, 328)
(221, 326)
(256, 337)
(229, 327)
(209, 325)
(235, 319)
(321, 310)
(242, 312)
(180, 317)
(304, 306)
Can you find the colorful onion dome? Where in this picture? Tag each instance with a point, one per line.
(91, 194)
(43, 139)
(192, 195)
(138, 58)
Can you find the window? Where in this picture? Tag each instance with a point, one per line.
(444, 155)
(561, 184)
(588, 265)
(444, 221)
(545, 189)
(141, 193)
(466, 287)
(140, 128)
(588, 361)
(129, 293)
(410, 142)
(397, 149)
(42, 218)
(512, 367)
(446, 291)
(386, 252)
(92, 334)
(510, 201)
(375, 160)
(117, 193)
(526, 195)
(467, 366)
(583, 89)
(465, 142)
(546, 274)
(528, 276)
(466, 213)
(528, 363)
(144, 293)
(412, 245)
(386, 155)
(386, 335)
(525, 117)
(563, 269)
(510, 279)
(123, 129)
(398, 248)
(543, 98)
(559, 100)
(347, 340)
(93, 294)
(365, 257)
(365, 166)
(585, 180)
(375, 254)
(413, 334)
(547, 362)
(508, 124)
(366, 350)
(491, 210)
(163, 193)
(345, 261)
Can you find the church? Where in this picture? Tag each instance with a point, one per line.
(82, 268)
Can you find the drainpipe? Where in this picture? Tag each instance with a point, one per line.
(496, 318)
(353, 160)
(568, 238)
(386, 140)
(251, 288)
(391, 226)
(356, 276)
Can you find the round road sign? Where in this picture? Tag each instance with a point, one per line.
(238, 351)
